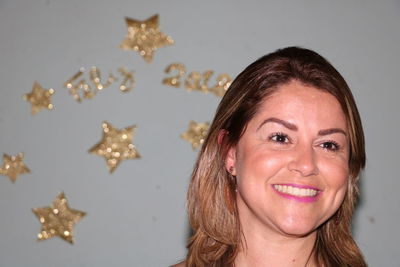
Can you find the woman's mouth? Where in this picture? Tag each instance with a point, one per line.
(297, 192)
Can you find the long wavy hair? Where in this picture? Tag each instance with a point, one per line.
(212, 209)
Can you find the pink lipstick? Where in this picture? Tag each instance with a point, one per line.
(301, 193)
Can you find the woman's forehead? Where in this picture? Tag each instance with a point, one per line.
(296, 102)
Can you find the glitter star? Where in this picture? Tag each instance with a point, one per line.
(196, 133)
(39, 98)
(13, 166)
(116, 145)
(145, 37)
(58, 219)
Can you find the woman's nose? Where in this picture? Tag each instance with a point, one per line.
(304, 161)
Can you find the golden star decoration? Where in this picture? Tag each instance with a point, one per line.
(58, 219)
(196, 133)
(145, 37)
(39, 98)
(13, 166)
(116, 145)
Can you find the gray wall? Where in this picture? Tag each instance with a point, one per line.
(136, 216)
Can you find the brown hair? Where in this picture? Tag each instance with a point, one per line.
(212, 207)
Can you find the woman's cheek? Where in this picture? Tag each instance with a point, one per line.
(337, 171)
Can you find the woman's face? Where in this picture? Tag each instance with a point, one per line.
(291, 164)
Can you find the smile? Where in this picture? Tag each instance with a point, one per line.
(295, 191)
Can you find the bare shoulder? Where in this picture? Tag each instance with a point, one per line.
(181, 264)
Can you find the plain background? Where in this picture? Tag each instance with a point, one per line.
(136, 216)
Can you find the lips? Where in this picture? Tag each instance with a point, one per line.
(297, 192)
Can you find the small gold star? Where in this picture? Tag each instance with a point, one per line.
(58, 219)
(116, 145)
(39, 98)
(145, 37)
(13, 166)
(196, 133)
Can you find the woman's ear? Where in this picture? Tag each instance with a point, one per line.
(230, 159)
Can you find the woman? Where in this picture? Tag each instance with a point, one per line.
(276, 180)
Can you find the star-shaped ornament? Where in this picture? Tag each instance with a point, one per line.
(13, 166)
(116, 145)
(196, 133)
(145, 37)
(39, 98)
(58, 219)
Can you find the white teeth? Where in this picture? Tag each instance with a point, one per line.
(295, 191)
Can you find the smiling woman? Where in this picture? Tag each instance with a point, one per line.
(290, 178)
(276, 180)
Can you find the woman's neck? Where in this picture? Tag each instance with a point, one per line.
(269, 248)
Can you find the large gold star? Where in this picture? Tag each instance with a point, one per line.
(145, 37)
(13, 166)
(116, 145)
(196, 133)
(58, 219)
(39, 98)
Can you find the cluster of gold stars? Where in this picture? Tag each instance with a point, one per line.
(116, 145)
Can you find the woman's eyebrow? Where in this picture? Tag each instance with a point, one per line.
(293, 127)
(331, 131)
(286, 124)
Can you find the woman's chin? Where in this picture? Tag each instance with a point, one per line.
(297, 229)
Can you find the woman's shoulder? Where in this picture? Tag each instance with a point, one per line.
(181, 264)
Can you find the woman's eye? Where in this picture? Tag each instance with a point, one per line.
(331, 145)
(280, 138)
